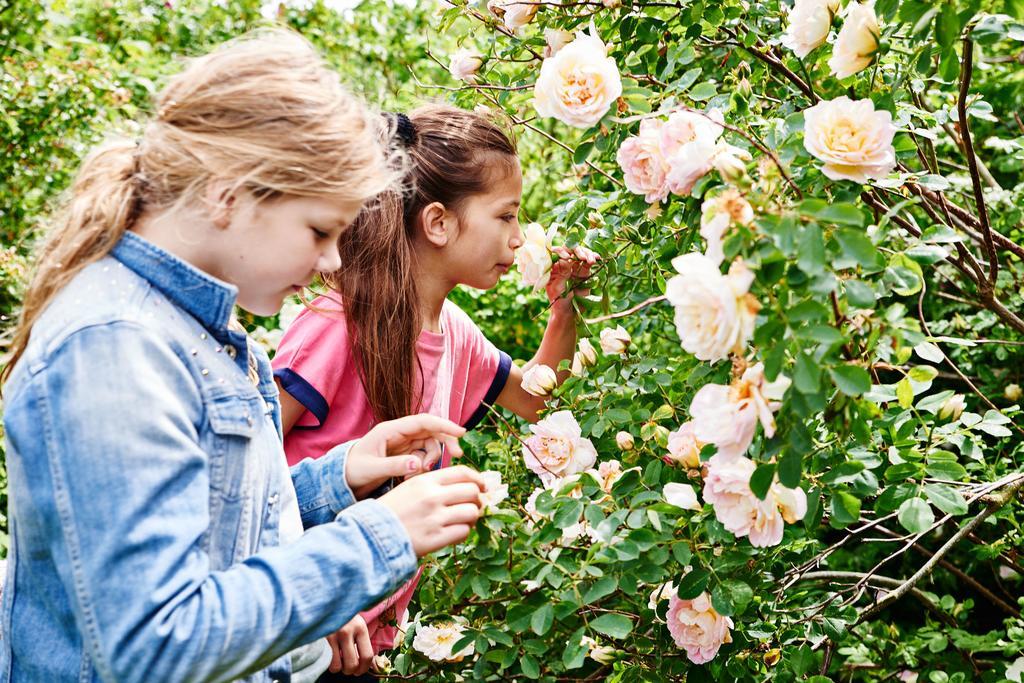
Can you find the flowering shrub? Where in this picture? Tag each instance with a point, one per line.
(784, 442)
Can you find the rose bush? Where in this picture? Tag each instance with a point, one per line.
(807, 320)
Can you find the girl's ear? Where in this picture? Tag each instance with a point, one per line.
(220, 202)
(438, 224)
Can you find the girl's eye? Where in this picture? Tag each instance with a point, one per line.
(508, 217)
(320, 234)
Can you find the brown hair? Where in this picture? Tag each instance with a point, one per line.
(445, 154)
(263, 111)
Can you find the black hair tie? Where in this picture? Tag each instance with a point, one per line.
(406, 129)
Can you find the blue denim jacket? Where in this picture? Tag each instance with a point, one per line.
(143, 505)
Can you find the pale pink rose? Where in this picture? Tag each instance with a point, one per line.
(684, 447)
(579, 83)
(809, 24)
(662, 592)
(853, 139)
(727, 416)
(643, 166)
(697, 627)
(436, 641)
(464, 65)
(607, 473)
(714, 313)
(718, 214)
(625, 441)
(688, 145)
(727, 489)
(495, 492)
(857, 43)
(557, 447)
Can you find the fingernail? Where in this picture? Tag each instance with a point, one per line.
(413, 465)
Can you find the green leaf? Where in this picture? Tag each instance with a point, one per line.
(922, 373)
(946, 469)
(731, 597)
(807, 374)
(947, 27)
(529, 666)
(859, 294)
(852, 380)
(811, 250)
(703, 91)
(946, 498)
(602, 587)
(575, 652)
(693, 583)
(568, 513)
(916, 515)
(613, 625)
(761, 479)
(929, 352)
(838, 212)
(927, 254)
(790, 469)
(845, 507)
(856, 250)
(904, 393)
(542, 619)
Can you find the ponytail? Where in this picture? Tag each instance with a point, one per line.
(445, 148)
(105, 201)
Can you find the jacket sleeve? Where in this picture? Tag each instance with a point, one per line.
(107, 427)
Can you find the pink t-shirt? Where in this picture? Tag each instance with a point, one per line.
(314, 364)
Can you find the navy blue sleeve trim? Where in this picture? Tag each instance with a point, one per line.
(303, 392)
(500, 378)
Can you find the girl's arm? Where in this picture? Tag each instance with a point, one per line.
(133, 562)
(291, 409)
(559, 341)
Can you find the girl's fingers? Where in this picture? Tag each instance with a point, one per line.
(349, 656)
(452, 534)
(460, 473)
(461, 492)
(335, 665)
(452, 446)
(365, 650)
(463, 513)
(431, 453)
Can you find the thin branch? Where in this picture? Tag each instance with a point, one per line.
(627, 312)
(966, 69)
(996, 501)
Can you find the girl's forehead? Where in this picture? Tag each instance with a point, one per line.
(505, 184)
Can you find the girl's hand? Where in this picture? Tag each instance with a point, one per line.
(437, 508)
(399, 448)
(350, 645)
(571, 265)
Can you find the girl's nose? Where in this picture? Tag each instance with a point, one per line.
(517, 239)
(330, 260)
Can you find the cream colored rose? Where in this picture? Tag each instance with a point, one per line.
(555, 39)
(1012, 392)
(714, 314)
(540, 380)
(557, 448)
(533, 259)
(717, 215)
(730, 162)
(624, 440)
(464, 65)
(683, 446)
(519, 13)
(662, 592)
(436, 641)
(697, 628)
(615, 340)
(809, 24)
(495, 491)
(853, 139)
(857, 43)
(602, 654)
(585, 357)
(681, 495)
(579, 83)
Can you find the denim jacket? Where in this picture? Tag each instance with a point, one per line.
(143, 503)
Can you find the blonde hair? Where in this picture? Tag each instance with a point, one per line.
(263, 112)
